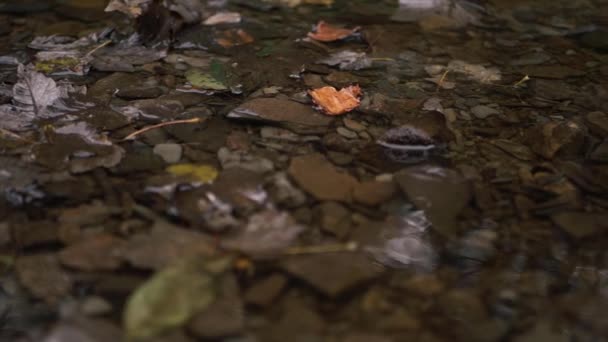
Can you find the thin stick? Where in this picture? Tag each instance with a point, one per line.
(98, 47)
(382, 59)
(442, 79)
(319, 249)
(162, 124)
(522, 81)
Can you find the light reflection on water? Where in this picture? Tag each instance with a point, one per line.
(405, 244)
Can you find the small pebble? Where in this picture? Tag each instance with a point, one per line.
(171, 153)
(346, 133)
(482, 112)
(354, 125)
(94, 306)
(365, 136)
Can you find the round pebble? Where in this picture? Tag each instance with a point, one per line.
(354, 125)
(347, 133)
(171, 153)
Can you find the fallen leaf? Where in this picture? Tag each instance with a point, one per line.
(201, 80)
(328, 33)
(234, 37)
(132, 8)
(34, 90)
(173, 296)
(348, 60)
(334, 102)
(201, 173)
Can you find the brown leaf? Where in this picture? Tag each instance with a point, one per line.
(234, 37)
(334, 102)
(327, 33)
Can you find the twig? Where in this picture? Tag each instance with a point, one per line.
(522, 81)
(350, 246)
(98, 47)
(162, 124)
(382, 59)
(442, 79)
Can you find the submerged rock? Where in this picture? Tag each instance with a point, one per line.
(292, 115)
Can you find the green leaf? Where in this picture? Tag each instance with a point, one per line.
(202, 80)
(172, 296)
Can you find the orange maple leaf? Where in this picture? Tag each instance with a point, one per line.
(328, 33)
(334, 102)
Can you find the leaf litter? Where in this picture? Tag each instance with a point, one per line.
(317, 190)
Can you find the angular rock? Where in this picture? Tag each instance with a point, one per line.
(339, 273)
(264, 292)
(318, 177)
(170, 153)
(373, 193)
(292, 115)
(334, 219)
(95, 253)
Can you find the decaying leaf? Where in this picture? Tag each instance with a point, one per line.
(34, 91)
(202, 80)
(334, 102)
(348, 60)
(325, 32)
(132, 8)
(201, 173)
(172, 296)
(234, 37)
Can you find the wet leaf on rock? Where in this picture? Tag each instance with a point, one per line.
(348, 60)
(334, 102)
(34, 91)
(199, 173)
(173, 296)
(325, 32)
(202, 80)
(233, 37)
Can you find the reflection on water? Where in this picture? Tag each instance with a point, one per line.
(405, 244)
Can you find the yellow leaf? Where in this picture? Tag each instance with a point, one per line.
(201, 173)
